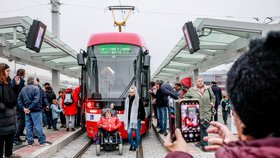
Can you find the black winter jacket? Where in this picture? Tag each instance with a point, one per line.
(50, 96)
(7, 109)
(218, 94)
(141, 109)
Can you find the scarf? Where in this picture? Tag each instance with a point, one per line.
(133, 113)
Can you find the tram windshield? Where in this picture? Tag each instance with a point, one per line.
(110, 68)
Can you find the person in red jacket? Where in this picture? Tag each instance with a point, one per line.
(109, 124)
(69, 104)
(76, 92)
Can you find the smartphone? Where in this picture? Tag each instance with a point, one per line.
(17, 78)
(188, 119)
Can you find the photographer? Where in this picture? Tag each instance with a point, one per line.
(254, 92)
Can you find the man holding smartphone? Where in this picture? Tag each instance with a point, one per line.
(254, 92)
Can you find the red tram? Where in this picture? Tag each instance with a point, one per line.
(114, 62)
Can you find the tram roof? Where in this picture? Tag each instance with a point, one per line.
(54, 54)
(222, 43)
(116, 37)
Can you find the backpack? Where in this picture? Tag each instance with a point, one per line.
(68, 100)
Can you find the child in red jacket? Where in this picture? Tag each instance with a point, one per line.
(109, 124)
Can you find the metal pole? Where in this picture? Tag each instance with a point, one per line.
(56, 17)
(14, 36)
(55, 31)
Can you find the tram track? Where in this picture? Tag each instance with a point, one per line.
(84, 149)
(139, 153)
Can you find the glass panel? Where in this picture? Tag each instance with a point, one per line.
(114, 67)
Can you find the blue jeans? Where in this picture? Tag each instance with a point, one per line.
(162, 117)
(133, 143)
(21, 125)
(44, 117)
(34, 120)
(204, 133)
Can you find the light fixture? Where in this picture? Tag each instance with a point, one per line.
(110, 69)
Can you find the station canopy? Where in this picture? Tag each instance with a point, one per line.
(221, 42)
(54, 54)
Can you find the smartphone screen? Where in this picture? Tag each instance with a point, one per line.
(190, 120)
(17, 78)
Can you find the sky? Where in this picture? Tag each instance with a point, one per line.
(158, 21)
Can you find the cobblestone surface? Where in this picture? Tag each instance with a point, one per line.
(72, 148)
(152, 147)
(110, 154)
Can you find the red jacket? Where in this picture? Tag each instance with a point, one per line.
(70, 109)
(110, 124)
(264, 148)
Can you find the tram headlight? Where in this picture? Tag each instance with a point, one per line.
(89, 105)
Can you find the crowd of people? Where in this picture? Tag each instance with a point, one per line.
(252, 96)
(27, 105)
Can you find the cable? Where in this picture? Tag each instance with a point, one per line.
(122, 10)
(13, 10)
(44, 5)
(208, 15)
(84, 6)
(203, 33)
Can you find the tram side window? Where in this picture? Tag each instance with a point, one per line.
(144, 82)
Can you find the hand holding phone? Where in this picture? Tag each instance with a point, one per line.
(188, 119)
(178, 145)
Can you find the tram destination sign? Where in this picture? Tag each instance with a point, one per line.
(114, 49)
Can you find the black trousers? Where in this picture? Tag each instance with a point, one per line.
(78, 117)
(6, 140)
(216, 114)
(62, 119)
(55, 123)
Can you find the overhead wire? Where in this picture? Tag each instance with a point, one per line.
(24, 8)
(121, 10)
(204, 15)
(257, 18)
(175, 13)
(83, 6)
(42, 4)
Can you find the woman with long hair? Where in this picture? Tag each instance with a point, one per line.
(8, 102)
(134, 117)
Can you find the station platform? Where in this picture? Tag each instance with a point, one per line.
(59, 139)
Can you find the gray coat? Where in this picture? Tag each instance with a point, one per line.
(204, 101)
